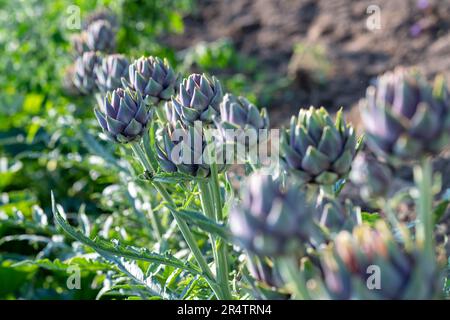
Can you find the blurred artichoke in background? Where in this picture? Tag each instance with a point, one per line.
(110, 72)
(198, 99)
(100, 36)
(317, 150)
(84, 77)
(271, 221)
(124, 117)
(182, 149)
(351, 267)
(371, 176)
(405, 117)
(68, 81)
(153, 78)
(336, 216)
(101, 14)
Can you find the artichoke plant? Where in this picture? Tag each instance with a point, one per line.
(317, 150)
(110, 72)
(79, 43)
(153, 78)
(84, 76)
(100, 36)
(184, 149)
(351, 263)
(405, 117)
(198, 99)
(272, 221)
(124, 117)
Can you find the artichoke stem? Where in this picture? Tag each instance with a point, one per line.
(424, 181)
(186, 232)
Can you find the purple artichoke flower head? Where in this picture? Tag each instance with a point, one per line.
(271, 221)
(125, 116)
(84, 76)
(153, 78)
(406, 117)
(238, 112)
(317, 150)
(403, 274)
(198, 99)
(182, 149)
(336, 215)
(101, 37)
(109, 74)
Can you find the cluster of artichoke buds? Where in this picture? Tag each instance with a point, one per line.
(370, 264)
(84, 75)
(405, 117)
(317, 150)
(110, 72)
(272, 221)
(198, 99)
(153, 78)
(124, 117)
(186, 149)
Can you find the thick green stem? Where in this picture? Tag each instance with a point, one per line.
(185, 231)
(208, 204)
(220, 243)
(423, 177)
(294, 276)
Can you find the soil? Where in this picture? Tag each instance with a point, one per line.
(412, 33)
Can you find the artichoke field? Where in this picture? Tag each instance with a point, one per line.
(181, 220)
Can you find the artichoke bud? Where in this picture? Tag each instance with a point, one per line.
(271, 221)
(79, 43)
(198, 99)
(405, 117)
(100, 36)
(101, 14)
(153, 78)
(369, 264)
(110, 72)
(237, 113)
(184, 149)
(125, 116)
(84, 76)
(317, 150)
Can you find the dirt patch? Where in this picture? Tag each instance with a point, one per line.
(413, 33)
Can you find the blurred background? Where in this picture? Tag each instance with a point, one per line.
(281, 54)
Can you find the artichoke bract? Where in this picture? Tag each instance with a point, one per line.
(153, 78)
(100, 36)
(110, 72)
(198, 99)
(125, 115)
(405, 117)
(369, 264)
(84, 77)
(317, 150)
(271, 221)
(184, 149)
